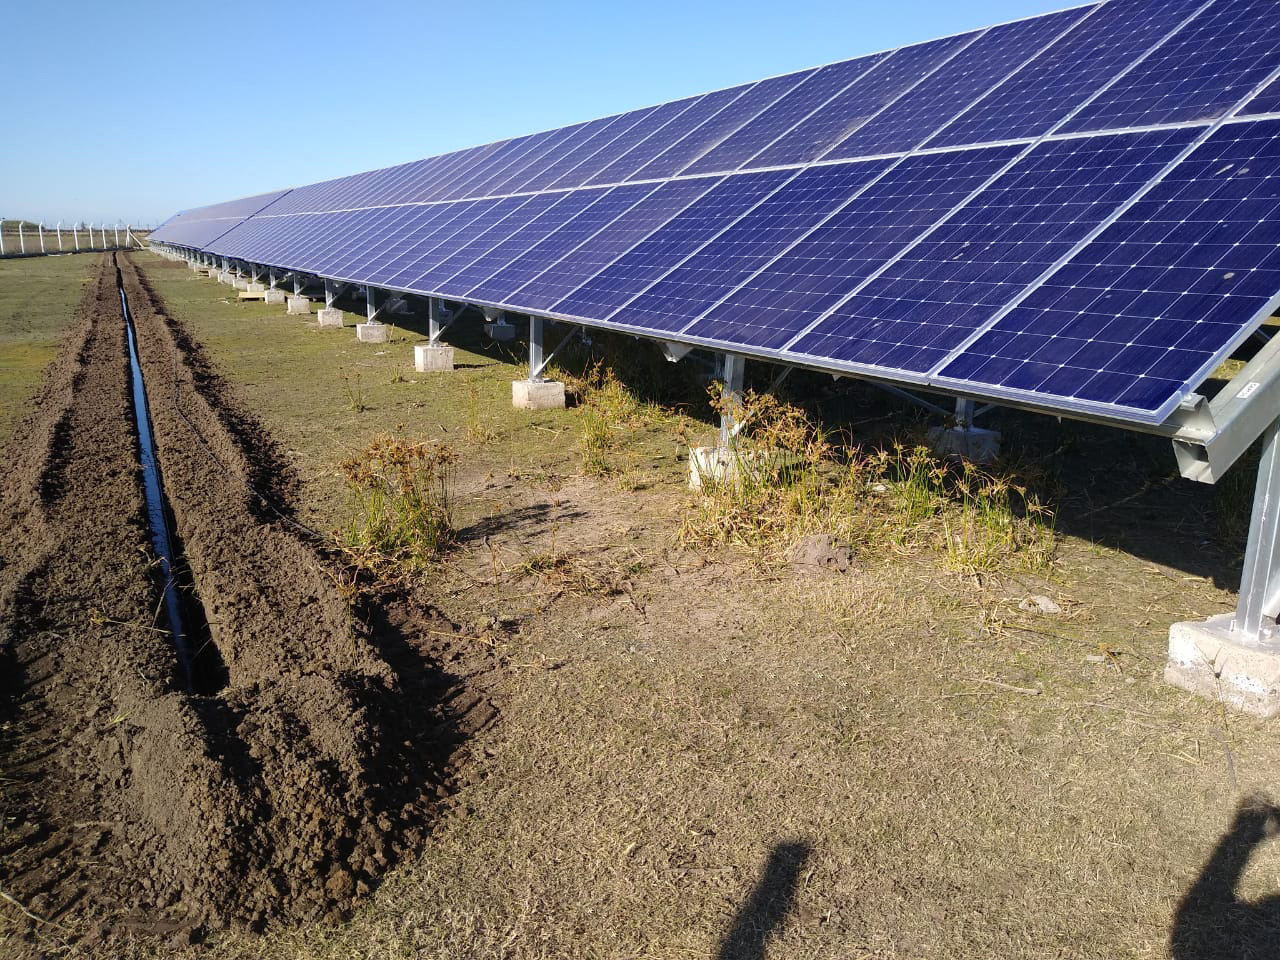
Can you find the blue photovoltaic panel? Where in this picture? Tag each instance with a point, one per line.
(576, 229)
(563, 208)
(1139, 315)
(715, 128)
(696, 284)
(504, 219)
(567, 163)
(978, 67)
(473, 219)
(679, 237)
(1268, 101)
(1199, 74)
(607, 244)
(476, 180)
(382, 239)
(550, 165)
(770, 308)
(649, 125)
(1045, 91)
(896, 73)
(697, 110)
(735, 150)
(941, 290)
(411, 237)
(203, 225)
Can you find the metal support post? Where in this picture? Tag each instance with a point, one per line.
(371, 304)
(75, 236)
(22, 241)
(330, 293)
(297, 284)
(1259, 602)
(732, 370)
(59, 229)
(433, 320)
(271, 277)
(40, 228)
(964, 413)
(117, 233)
(535, 348)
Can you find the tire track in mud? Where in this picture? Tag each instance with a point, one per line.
(129, 804)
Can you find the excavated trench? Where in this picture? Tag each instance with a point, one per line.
(141, 795)
(202, 668)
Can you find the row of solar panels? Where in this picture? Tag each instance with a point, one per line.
(1104, 272)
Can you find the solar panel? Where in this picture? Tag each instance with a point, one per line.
(1077, 211)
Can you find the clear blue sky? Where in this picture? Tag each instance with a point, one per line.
(134, 110)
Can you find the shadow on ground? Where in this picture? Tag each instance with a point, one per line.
(1211, 922)
(766, 909)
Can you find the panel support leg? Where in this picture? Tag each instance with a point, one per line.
(1235, 657)
(372, 330)
(712, 466)
(537, 393)
(732, 368)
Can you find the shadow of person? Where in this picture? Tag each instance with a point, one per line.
(768, 905)
(1211, 922)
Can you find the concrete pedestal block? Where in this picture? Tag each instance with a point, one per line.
(500, 331)
(537, 394)
(711, 466)
(299, 305)
(253, 287)
(975, 444)
(1205, 658)
(371, 332)
(329, 317)
(240, 283)
(432, 358)
(224, 277)
(196, 268)
(275, 296)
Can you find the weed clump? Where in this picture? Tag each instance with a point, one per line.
(787, 478)
(402, 502)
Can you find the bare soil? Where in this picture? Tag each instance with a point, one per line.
(130, 806)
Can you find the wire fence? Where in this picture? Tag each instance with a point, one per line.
(23, 238)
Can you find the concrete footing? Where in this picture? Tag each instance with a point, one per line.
(240, 283)
(299, 305)
(500, 331)
(253, 287)
(371, 332)
(711, 465)
(224, 277)
(1207, 659)
(276, 297)
(329, 317)
(537, 394)
(972, 443)
(432, 358)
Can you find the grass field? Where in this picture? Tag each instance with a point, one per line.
(38, 298)
(704, 752)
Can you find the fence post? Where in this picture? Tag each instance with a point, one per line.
(75, 235)
(22, 241)
(1, 236)
(40, 227)
(59, 229)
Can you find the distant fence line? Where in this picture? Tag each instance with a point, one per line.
(22, 238)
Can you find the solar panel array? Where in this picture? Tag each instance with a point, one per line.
(1078, 211)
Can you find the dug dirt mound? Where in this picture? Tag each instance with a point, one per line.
(131, 803)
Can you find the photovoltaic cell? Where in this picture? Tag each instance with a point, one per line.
(735, 150)
(1199, 74)
(715, 128)
(608, 243)
(1268, 101)
(571, 234)
(928, 301)
(649, 125)
(204, 225)
(699, 282)
(770, 308)
(568, 162)
(562, 208)
(851, 108)
(677, 238)
(505, 218)
(696, 113)
(1046, 90)
(978, 67)
(1160, 297)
